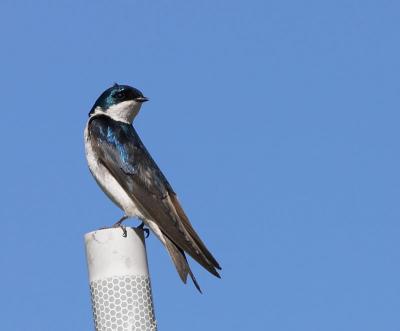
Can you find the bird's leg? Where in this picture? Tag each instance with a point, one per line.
(123, 218)
(119, 225)
(145, 230)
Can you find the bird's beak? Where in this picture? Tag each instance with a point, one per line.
(141, 99)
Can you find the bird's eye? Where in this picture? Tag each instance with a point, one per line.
(119, 95)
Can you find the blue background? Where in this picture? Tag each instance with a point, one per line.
(277, 122)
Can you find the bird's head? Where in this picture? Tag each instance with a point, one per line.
(120, 102)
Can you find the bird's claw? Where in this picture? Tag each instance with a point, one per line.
(123, 228)
(145, 230)
(117, 225)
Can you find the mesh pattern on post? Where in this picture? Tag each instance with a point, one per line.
(123, 303)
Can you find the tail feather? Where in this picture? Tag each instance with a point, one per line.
(180, 262)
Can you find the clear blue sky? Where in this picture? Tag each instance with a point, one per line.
(277, 122)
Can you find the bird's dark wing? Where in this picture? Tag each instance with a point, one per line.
(121, 151)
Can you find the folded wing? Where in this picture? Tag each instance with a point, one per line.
(121, 151)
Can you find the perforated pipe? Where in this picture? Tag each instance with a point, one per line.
(119, 280)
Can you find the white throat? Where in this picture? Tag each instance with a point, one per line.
(125, 111)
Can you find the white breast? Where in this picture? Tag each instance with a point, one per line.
(108, 183)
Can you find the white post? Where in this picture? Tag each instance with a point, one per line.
(119, 280)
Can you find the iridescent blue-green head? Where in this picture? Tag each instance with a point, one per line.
(120, 102)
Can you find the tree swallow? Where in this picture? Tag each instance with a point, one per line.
(128, 175)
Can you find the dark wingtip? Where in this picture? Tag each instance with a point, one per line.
(213, 271)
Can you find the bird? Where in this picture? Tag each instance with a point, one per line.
(129, 176)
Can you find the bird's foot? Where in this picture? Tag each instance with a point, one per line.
(122, 227)
(119, 225)
(145, 230)
(116, 225)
